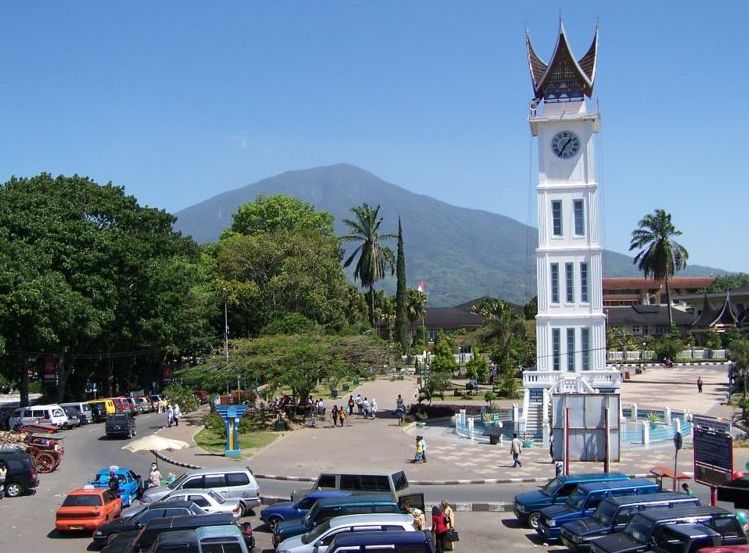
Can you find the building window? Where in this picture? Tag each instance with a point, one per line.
(569, 275)
(579, 218)
(585, 347)
(556, 348)
(636, 330)
(556, 217)
(660, 330)
(571, 349)
(584, 297)
(555, 283)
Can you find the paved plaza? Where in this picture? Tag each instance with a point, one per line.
(381, 445)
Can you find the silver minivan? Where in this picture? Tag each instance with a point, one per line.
(51, 414)
(238, 483)
(83, 409)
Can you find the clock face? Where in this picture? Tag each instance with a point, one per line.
(565, 144)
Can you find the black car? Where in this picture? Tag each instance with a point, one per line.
(140, 541)
(21, 478)
(120, 424)
(148, 512)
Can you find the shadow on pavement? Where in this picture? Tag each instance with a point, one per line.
(511, 523)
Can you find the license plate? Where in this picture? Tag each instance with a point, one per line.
(76, 527)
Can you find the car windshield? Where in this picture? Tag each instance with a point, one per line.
(218, 497)
(605, 513)
(576, 499)
(312, 535)
(82, 501)
(312, 513)
(174, 485)
(640, 529)
(550, 487)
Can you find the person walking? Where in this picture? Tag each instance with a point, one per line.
(342, 415)
(359, 403)
(699, 384)
(439, 528)
(3, 476)
(169, 415)
(450, 519)
(423, 447)
(334, 414)
(350, 405)
(516, 448)
(373, 408)
(365, 407)
(154, 477)
(177, 414)
(419, 450)
(114, 482)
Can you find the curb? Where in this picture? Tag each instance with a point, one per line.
(166, 459)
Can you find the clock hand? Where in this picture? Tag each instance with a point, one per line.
(565, 146)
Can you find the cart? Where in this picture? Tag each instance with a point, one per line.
(46, 449)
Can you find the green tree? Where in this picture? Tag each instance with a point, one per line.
(530, 309)
(373, 258)
(401, 297)
(441, 368)
(659, 255)
(740, 357)
(94, 280)
(478, 367)
(724, 283)
(280, 212)
(416, 309)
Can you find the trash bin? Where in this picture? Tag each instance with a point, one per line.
(494, 432)
(334, 393)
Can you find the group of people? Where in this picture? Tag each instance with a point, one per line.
(173, 414)
(365, 408)
(443, 525)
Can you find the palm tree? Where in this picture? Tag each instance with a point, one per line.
(374, 259)
(416, 307)
(660, 256)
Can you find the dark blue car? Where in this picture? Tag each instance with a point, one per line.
(290, 510)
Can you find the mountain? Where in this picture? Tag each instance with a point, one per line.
(460, 253)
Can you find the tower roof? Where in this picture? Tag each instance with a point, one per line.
(564, 78)
(722, 317)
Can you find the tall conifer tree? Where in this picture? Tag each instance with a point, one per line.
(401, 295)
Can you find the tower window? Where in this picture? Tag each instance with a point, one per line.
(556, 217)
(556, 348)
(569, 276)
(571, 349)
(584, 296)
(579, 218)
(585, 347)
(555, 283)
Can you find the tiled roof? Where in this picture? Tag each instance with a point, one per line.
(645, 315)
(640, 283)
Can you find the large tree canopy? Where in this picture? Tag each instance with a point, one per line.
(93, 279)
(280, 212)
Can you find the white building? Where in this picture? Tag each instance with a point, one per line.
(570, 325)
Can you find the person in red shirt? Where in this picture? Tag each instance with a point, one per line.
(439, 528)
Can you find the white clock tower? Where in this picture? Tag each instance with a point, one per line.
(570, 325)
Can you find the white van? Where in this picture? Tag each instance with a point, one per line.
(51, 414)
(84, 410)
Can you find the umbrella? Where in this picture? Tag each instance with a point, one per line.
(155, 443)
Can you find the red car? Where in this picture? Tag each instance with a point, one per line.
(87, 508)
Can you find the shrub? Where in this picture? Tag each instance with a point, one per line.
(182, 395)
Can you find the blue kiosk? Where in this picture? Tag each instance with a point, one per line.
(231, 415)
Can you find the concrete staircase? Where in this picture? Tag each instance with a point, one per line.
(534, 420)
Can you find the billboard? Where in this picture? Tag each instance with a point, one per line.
(713, 451)
(49, 370)
(586, 426)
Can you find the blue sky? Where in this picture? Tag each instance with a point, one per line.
(180, 100)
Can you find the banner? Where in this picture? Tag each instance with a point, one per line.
(49, 370)
(166, 374)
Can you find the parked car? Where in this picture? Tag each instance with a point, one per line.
(120, 424)
(527, 505)
(21, 478)
(74, 420)
(142, 516)
(638, 534)
(144, 406)
(325, 509)
(232, 482)
(393, 542)
(87, 508)
(290, 510)
(584, 501)
(218, 539)
(318, 539)
(101, 409)
(684, 538)
(131, 484)
(82, 409)
(209, 501)
(139, 541)
(613, 514)
(51, 414)
(394, 483)
(726, 549)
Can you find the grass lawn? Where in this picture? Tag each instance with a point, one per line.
(249, 443)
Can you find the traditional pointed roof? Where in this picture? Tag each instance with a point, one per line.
(723, 317)
(563, 78)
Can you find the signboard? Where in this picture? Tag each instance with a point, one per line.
(587, 426)
(166, 374)
(49, 370)
(713, 451)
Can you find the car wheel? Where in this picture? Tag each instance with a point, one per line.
(533, 519)
(14, 489)
(272, 522)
